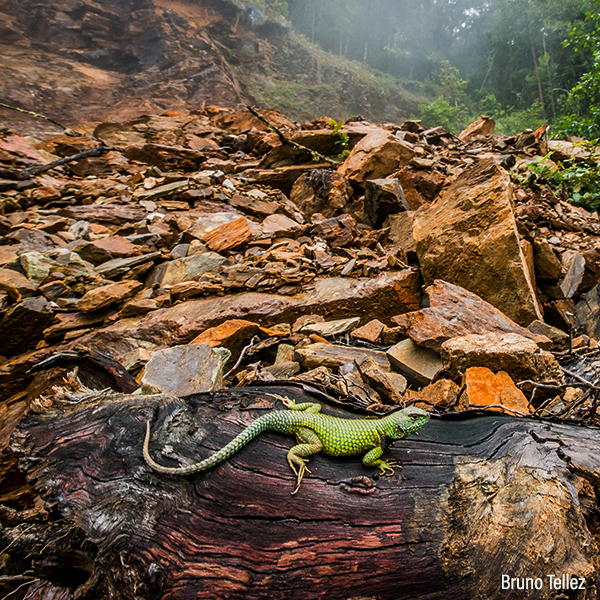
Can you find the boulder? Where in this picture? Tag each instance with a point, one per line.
(547, 264)
(108, 294)
(520, 357)
(16, 284)
(331, 328)
(418, 365)
(377, 155)
(420, 186)
(229, 236)
(443, 394)
(383, 197)
(469, 238)
(453, 312)
(483, 126)
(493, 391)
(389, 385)
(185, 370)
(587, 314)
(321, 191)
(333, 356)
(22, 326)
(183, 269)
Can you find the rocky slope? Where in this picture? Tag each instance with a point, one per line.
(89, 61)
(204, 250)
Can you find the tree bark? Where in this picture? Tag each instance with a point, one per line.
(478, 497)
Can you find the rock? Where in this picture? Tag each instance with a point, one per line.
(390, 386)
(108, 294)
(232, 334)
(333, 297)
(284, 370)
(469, 238)
(184, 370)
(183, 269)
(587, 313)
(547, 265)
(117, 246)
(16, 284)
(229, 236)
(22, 325)
(455, 312)
(401, 235)
(384, 197)
(166, 157)
(66, 322)
(331, 328)
(484, 126)
(321, 191)
(370, 332)
(376, 156)
(120, 266)
(37, 267)
(573, 279)
(333, 357)
(338, 232)
(418, 365)
(279, 224)
(521, 358)
(420, 186)
(352, 383)
(106, 215)
(443, 395)
(139, 307)
(559, 339)
(493, 391)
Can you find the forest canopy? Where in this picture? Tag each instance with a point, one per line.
(521, 61)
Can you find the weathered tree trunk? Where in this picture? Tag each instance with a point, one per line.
(478, 498)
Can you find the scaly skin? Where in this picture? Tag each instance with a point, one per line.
(314, 433)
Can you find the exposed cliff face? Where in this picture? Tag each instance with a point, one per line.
(80, 60)
(87, 60)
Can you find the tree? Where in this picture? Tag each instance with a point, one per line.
(584, 95)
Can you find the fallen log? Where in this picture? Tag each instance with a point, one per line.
(478, 499)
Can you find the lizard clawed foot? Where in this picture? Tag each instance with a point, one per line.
(389, 465)
(302, 469)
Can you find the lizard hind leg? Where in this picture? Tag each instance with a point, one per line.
(308, 444)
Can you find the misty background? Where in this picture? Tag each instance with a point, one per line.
(510, 59)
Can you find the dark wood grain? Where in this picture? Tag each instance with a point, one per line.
(476, 498)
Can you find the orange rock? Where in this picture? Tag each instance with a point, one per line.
(228, 236)
(484, 388)
(483, 126)
(118, 246)
(441, 394)
(108, 294)
(232, 333)
(369, 332)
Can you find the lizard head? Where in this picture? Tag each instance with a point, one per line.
(407, 421)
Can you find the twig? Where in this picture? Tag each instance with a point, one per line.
(285, 140)
(581, 379)
(240, 358)
(28, 582)
(38, 169)
(549, 386)
(510, 410)
(67, 130)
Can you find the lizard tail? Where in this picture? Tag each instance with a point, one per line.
(254, 429)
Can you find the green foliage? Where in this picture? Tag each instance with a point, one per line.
(272, 8)
(440, 112)
(344, 137)
(581, 181)
(585, 95)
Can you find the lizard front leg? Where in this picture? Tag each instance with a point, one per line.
(309, 444)
(371, 459)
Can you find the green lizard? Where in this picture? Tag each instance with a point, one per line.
(314, 433)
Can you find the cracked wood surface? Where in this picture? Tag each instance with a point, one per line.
(477, 497)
